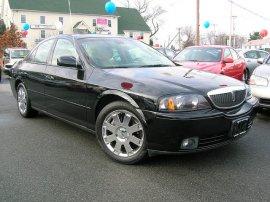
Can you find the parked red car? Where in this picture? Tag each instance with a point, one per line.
(215, 59)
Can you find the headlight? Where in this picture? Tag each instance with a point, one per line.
(183, 103)
(258, 81)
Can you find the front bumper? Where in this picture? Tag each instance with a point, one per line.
(263, 95)
(166, 131)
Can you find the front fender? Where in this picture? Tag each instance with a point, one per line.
(121, 95)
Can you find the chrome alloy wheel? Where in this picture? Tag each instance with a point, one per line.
(22, 100)
(123, 133)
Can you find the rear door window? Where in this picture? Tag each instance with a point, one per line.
(234, 55)
(227, 53)
(43, 51)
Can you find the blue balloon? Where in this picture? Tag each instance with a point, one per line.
(110, 7)
(26, 26)
(206, 24)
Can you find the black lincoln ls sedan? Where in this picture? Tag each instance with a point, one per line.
(132, 97)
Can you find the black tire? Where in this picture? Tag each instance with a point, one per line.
(29, 111)
(116, 106)
(246, 76)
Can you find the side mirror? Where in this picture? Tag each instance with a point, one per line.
(6, 55)
(68, 61)
(228, 60)
(7, 71)
(260, 61)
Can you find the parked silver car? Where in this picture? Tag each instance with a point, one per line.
(13, 55)
(260, 83)
(253, 58)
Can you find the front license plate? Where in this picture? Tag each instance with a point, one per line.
(240, 127)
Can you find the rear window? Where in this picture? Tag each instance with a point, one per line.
(200, 54)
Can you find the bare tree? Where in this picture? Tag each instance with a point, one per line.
(189, 32)
(151, 14)
(211, 38)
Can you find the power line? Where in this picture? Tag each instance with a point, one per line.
(250, 11)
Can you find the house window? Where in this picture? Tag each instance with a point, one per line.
(61, 32)
(42, 34)
(61, 19)
(42, 20)
(23, 18)
(94, 22)
(109, 23)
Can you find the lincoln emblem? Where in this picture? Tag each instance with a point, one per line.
(233, 96)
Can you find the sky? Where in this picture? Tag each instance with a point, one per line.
(183, 12)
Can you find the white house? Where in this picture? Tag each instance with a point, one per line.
(87, 16)
(258, 44)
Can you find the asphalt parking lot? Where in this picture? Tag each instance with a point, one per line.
(43, 159)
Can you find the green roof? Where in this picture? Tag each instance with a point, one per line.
(131, 19)
(61, 6)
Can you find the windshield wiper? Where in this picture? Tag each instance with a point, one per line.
(116, 67)
(156, 65)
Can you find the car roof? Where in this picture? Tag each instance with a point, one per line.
(210, 46)
(83, 36)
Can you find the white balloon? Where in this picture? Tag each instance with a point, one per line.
(58, 25)
(184, 38)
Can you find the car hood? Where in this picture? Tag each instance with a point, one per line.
(204, 66)
(263, 71)
(170, 80)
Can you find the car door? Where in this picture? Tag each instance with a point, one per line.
(33, 73)
(228, 68)
(239, 65)
(65, 92)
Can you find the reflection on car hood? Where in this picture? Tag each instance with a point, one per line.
(204, 66)
(263, 70)
(170, 79)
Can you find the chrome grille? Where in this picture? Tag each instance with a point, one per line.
(228, 97)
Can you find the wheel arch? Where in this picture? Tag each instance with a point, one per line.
(110, 96)
(17, 82)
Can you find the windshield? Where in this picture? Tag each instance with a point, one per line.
(18, 53)
(122, 53)
(198, 54)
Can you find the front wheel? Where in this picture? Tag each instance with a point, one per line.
(23, 101)
(121, 133)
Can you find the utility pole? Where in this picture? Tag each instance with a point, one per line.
(231, 24)
(234, 35)
(197, 22)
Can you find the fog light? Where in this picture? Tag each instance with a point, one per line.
(190, 143)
